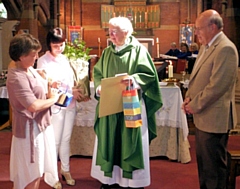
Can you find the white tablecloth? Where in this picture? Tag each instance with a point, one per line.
(3, 92)
(86, 111)
(172, 128)
(171, 114)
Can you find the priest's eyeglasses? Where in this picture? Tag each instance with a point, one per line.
(113, 32)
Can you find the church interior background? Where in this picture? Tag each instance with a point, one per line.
(156, 23)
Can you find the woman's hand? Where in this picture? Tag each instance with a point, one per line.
(77, 94)
(54, 93)
(41, 104)
(56, 84)
(42, 73)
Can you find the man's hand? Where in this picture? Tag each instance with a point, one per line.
(188, 109)
(185, 106)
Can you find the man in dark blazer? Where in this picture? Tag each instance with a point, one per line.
(211, 99)
(173, 51)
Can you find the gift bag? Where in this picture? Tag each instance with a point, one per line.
(131, 108)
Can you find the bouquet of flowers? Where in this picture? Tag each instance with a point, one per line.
(78, 56)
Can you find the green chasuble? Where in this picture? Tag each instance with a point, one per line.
(118, 145)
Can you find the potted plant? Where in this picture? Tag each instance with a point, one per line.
(78, 56)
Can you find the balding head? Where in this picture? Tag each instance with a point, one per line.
(208, 24)
(213, 17)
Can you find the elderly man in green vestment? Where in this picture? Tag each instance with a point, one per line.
(121, 154)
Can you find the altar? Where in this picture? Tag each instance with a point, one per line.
(172, 128)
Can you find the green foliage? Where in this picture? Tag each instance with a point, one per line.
(77, 50)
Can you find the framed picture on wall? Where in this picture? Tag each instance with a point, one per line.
(148, 43)
(186, 33)
(75, 32)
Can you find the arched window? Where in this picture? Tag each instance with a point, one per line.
(3, 11)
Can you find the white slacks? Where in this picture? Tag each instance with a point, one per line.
(63, 120)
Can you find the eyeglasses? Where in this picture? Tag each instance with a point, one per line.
(113, 32)
(197, 29)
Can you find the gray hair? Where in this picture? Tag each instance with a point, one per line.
(217, 20)
(123, 23)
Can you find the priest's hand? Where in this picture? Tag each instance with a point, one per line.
(128, 81)
(98, 90)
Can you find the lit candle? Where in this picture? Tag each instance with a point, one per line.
(99, 47)
(146, 20)
(157, 41)
(135, 18)
(170, 70)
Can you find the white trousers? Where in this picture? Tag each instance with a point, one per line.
(63, 120)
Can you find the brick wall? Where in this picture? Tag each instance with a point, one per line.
(172, 14)
(88, 14)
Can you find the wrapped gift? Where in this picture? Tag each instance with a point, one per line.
(64, 99)
(131, 108)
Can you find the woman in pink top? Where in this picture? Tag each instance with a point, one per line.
(33, 151)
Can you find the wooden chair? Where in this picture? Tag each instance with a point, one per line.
(161, 69)
(190, 64)
(181, 65)
(234, 168)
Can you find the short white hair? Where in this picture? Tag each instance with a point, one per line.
(173, 44)
(122, 23)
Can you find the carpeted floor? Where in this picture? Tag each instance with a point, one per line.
(165, 174)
